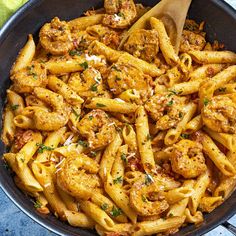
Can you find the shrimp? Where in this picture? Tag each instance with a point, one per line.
(105, 35)
(26, 79)
(88, 84)
(50, 121)
(120, 13)
(98, 128)
(126, 76)
(143, 44)
(146, 197)
(77, 176)
(166, 109)
(219, 114)
(191, 41)
(187, 159)
(55, 37)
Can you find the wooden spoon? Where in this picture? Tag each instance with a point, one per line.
(173, 14)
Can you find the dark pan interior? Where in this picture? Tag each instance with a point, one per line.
(221, 23)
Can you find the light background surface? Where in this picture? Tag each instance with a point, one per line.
(13, 222)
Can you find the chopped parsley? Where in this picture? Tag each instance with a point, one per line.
(222, 89)
(83, 143)
(205, 101)
(43, 147)
(171, 215)
(144, 199)
(93, 153)
(123, 157)
(22, 159)
(149, 137)
(84, 65)
(114, 67)
(100, 105)
(170, 103)
(94, 87)
(118, 180)
(90, 117)
(181, 114)
(104, 206)
(120, 14)
(76, 114)
(31, 71)
(148, 179)
(185, 136)
(37, 204)
(172, 92)
(14, 107)
(75, 53)
(117, 78)
(116, 212)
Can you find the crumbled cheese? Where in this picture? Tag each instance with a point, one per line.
(117, 18)
(60, 163)
(119, 100)
(113, 123)
(93, 58)
(69, 140)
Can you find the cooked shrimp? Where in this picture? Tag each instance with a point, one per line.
(166, 109)
(50, 121)
(88, 84)
(26, 79)
(187, 159)
(126, 76)
(98, 128)
(120, 13)
(141, 196)
(55, 37)
(105, 35)
(219, 114)
(77, 176)
(191, 41)
(143, 44)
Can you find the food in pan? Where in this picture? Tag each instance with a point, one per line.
(137, 141)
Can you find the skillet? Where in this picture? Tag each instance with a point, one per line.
(221, 24)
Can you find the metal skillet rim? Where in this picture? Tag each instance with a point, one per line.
(4, 31)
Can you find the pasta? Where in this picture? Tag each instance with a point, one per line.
(137, 140)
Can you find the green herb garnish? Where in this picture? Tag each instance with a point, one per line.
(94, 87)
(205, 101)
(100, 105)
(144, 199)
(84, 65)
(75, 52)
(14, 107)
(123, 157)
(117, 78)
(37, 204)
(149, 137)
(181, 114)
(116, 212)
(120, 14)
(170, 103)
(114, 67)
(93, 153)
(222, 89)
(104, 206)
(42, 147)
(90, 117)
(118, 180)
(83, 143)
(185, 136)
(76, 114)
